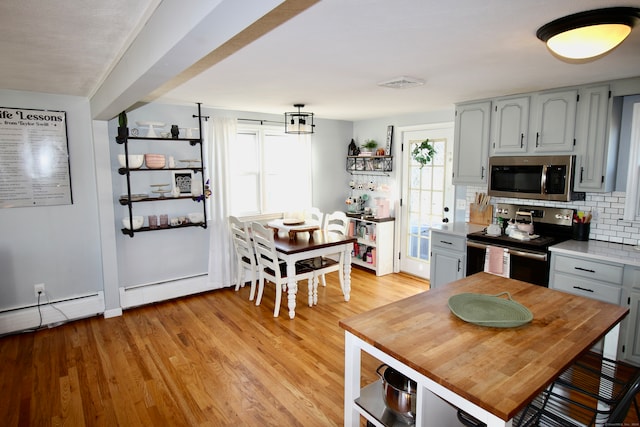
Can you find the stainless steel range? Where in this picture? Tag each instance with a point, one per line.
(528, 253)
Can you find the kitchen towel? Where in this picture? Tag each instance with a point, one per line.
(497, 261)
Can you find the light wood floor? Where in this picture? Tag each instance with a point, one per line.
(211, 359)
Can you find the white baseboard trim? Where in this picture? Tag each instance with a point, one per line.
(140, 295)
(116, 312)
(20, 319)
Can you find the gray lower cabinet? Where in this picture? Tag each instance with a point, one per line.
(448, 258)
(606, 281)
(586, 277)
(629, 348)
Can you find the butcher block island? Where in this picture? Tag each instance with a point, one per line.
(490, 373)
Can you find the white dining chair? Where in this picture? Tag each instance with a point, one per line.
(336, 222)
(315, 214)
(247, 265)
(273, 269)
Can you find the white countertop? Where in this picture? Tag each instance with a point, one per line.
(458, 228)
(598, 250)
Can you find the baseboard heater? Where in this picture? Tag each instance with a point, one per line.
(137, 295)
(53, 313)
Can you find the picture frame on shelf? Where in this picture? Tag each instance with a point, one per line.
(387, 149)
(182, 180)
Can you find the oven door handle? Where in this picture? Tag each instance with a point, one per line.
(514, 252)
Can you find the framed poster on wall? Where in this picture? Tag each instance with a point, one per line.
(34, 158)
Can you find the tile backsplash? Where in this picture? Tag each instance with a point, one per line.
(607, 210)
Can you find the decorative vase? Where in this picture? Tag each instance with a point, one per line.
(196, 188)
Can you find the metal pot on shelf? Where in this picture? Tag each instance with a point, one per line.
(398, 391)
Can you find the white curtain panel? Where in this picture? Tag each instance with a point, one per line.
(221, 253)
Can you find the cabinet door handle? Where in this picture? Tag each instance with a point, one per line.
(584, 269)
(459, 262)
(537, 138)
(582, 289)
(482, 173)
(521, 140)
(581, 173)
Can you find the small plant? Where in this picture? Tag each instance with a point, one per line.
(122, 119)
(423, 153)
(369, 144)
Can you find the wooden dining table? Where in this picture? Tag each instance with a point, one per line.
(306, 246)
(490, 373)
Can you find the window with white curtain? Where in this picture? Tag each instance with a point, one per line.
(270, 171)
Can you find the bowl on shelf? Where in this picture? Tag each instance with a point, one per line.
(154, 161)
(196, 217)
(137, 222)
(135, 160)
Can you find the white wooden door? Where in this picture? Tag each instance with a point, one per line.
(427, 195)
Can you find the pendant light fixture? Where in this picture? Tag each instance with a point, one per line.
(298, 122)
(588, 35)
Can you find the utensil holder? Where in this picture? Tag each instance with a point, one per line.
(581, 230)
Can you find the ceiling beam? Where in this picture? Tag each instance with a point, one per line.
(178, 42)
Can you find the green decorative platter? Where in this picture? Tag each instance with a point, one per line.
(490, 310)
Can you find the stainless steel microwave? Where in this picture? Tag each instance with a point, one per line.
(533, 177)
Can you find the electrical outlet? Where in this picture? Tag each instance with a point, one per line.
(38, 289)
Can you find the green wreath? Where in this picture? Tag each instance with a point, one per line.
(423, 153)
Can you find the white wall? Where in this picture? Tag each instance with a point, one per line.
(153, 257)
(156, 257)
(62, 246)
(625, 141)
(329, 150)
(55, 245)
(376, 129)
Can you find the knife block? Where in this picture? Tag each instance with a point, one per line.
(480, 214)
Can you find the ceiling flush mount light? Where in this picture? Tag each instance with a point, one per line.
(298, 122)
(590, 34)
(402, 82)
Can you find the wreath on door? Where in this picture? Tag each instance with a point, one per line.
(423, 153)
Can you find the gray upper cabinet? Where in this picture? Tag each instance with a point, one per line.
(595, 163)
(554, 122)
(471, 147)
(535, 123)
(510, 125)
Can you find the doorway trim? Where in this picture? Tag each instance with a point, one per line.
(399, 209)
